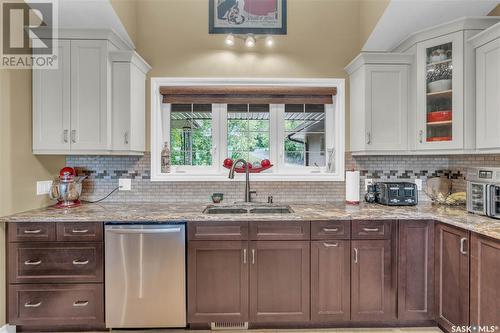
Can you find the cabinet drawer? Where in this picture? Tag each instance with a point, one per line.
(330, 230)
(31, 231)
(55, 262)
(79, 231)
(56, 305)
(217, 230)
(372, 229)
(282, 230)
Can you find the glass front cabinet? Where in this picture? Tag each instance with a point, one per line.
(440, 93)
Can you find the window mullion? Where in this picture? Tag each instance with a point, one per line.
(277, 129)
(222, 123)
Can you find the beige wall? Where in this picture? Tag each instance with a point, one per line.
(19, 169)
(323, 36)
(495, 11)
(127, 12)
(370, 12)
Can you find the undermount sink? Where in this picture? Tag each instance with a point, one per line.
(248, 209)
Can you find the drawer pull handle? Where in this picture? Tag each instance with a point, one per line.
(79, 231)
(330, 244)
(80, 262)
(356, 255)
(80, 303)
(330, 229)
(35, 231)
(32, 305)
(370, 229)
(32, 262)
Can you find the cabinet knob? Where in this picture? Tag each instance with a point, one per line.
(80, 303)
(421, 136)
(368, 138)
(79, 231)
(32, 305)
(125, 138)
(32, 231)
(462, 246)
(32, 262)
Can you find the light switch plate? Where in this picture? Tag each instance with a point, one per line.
(43, 187)
(368, 182)
(418, 182)
(125, 184)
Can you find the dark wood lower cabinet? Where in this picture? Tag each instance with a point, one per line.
(373, 290)
(217, 281)
(279, 281)
(330, 281)
(52, 305)
(485, 281)
(452, 276)
(416, 270)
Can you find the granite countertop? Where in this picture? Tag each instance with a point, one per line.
(186, 212)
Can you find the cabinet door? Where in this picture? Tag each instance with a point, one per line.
(279, 281)
(485, 285)
(51, 104)
(90, 114)
(387, 107)
(416, 270)
(452, 276)
(487, 96)
(440, 93)
(373, 296)
(330, 280)
(217, 281)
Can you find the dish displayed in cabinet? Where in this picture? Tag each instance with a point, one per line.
(439, 93)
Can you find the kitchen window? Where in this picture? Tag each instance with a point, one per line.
(300, 131)
(248, 132)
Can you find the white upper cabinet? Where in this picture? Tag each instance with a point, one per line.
(51, 103)
(440, 93)
(129, 92)
(379, 102)
(73, 106)
(487, 50)
(441, 116)
(90, 113)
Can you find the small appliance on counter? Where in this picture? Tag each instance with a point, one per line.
(395, 193)
(483, 191)
(67, 188)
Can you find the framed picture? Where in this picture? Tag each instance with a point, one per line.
(247, 17)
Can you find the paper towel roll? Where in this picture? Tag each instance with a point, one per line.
(352, 187)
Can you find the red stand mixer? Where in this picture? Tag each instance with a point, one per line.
(67, 188)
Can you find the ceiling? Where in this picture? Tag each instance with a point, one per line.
(403, 17)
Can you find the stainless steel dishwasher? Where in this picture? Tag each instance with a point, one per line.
(145, 275)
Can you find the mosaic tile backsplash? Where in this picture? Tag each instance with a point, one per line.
(104, 171)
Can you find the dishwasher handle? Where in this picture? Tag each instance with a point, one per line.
(144, 231)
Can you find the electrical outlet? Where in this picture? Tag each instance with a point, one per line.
(43, 187)
(368, 182)
(125, 184)
(418, 182)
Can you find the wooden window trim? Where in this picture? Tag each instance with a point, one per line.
(247, 95)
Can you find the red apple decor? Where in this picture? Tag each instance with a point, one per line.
(264, 165)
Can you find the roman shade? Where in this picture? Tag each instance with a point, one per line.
(247, 95)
